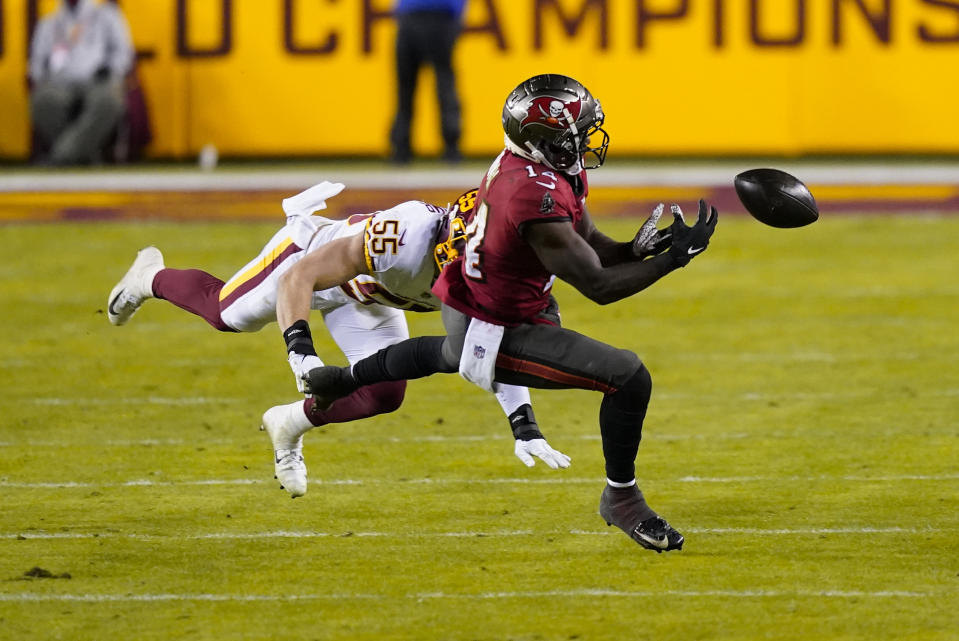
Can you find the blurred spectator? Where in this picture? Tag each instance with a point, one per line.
(427, 31)
(79, 57)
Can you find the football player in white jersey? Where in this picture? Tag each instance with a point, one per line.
(365, 271)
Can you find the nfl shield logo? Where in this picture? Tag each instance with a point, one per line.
(479, 351)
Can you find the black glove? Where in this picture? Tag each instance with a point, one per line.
(102, 73)
(687, 242)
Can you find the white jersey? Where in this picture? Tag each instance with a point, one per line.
(365, 314)
(399, 244)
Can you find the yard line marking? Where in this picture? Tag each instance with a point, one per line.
(791, 531)
(286, 534)
(812, 479)
(333, 437)
(682, 593)
(557, 480)
(435, 438)
(32, 597)
(134, 483)
(662, 394)
(106, 443)
(148, 400)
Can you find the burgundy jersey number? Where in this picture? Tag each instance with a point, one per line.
(384, 236)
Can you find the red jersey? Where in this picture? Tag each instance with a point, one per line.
(499, 278)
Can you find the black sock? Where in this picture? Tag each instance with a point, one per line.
(621, 424)
(406, 360)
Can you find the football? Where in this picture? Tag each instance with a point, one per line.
(776, 198)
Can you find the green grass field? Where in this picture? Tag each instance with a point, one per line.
(803, 435)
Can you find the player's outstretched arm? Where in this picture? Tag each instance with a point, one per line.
(328, 266)
(648, 241)
(325, 267)
(567, 255)
(530, 442)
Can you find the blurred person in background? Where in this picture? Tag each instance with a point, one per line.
(427, 31)
(79, 57)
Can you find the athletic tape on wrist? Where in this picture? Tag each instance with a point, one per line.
(523, 423)
(299, 339)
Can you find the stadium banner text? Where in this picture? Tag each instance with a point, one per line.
(675, 77)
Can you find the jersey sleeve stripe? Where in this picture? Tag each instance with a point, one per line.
(366, 245)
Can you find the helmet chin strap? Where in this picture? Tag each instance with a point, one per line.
(534, 154)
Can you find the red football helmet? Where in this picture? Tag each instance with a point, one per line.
(551, 119)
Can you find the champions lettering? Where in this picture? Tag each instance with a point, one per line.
(768, 23)
(591, 19)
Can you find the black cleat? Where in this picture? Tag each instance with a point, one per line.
(626, 508)
(329, 383)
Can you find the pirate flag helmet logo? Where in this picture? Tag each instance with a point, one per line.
(554, 120)
(552, 112)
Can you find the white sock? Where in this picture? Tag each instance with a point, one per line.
(511, 397)
(297, 414)
(615, 484)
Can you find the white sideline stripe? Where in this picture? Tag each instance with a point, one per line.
(418, 596)
(558, 480)
(284, 534)
(621, 174)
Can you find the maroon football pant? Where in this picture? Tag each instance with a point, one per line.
(198, 292)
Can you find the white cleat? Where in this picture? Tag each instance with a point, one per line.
(135, 287)
(287, 438)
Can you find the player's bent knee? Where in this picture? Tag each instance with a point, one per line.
(450, 356)
(640, 385)
(384, 398)
(622, 366)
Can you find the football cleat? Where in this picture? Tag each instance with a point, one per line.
(135, 287)
(289, 466)
(625, 508)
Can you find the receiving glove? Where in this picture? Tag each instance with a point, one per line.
(301, 364)
(686, 242)
(649, 240)
(530, 441)
(538, 447)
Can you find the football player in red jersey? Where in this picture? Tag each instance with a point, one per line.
(531, 225)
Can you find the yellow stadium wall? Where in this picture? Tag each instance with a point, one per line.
(314, 77)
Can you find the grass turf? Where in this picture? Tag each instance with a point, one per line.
(802, 434)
